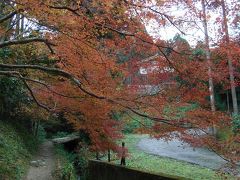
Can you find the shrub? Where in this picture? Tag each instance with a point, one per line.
(65, 169)
(236, 123)
(83, 156)
(41, 135)
(12, 94)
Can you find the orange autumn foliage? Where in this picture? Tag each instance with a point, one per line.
(87, 37)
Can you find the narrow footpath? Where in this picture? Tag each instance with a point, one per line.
(42, 164)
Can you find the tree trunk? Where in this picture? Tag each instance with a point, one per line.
(229, 56)
(22, 25)
(207, 50)
(17, 31)
(123, 158)
(208, 57)
(37, 128)
(109, 155)
(228, 105)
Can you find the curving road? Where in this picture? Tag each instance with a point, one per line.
(181, 151)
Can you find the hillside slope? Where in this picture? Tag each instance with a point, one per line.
(16, 148)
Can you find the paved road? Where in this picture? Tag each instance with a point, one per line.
(181, 151)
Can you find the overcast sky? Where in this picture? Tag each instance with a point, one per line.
(193, 31)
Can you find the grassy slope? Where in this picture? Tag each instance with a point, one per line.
(151, 163)
(16, 147)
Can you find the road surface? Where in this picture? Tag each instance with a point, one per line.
(181, 151)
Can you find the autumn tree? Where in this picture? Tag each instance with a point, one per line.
(230, 65)
(73, 69)
(211, 86)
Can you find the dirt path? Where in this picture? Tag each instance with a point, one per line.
(43, 164)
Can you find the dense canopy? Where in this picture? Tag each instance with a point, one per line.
(80, 59)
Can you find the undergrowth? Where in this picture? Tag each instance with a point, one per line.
(65, 169)
(16, 148)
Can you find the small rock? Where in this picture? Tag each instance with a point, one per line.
(42, 163)
(34, 163)
(38, 163)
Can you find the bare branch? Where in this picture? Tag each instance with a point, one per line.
(156, 119)
(15, 73)
(142, 124)
(8, 16)
(168, 18)
(26, 41)
(37, 67)
(54, 71)
(79, 85)
(74, 11)
(50, 89)
(34, 97)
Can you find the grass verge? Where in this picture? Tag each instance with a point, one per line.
(156, 164)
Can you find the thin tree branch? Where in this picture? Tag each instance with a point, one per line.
(54, 71)
(74, 11)
(50, 89)
(37, 67)
(79, 85)
(136, 120)
(26, 41)
(8, 16)
(15, 73)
